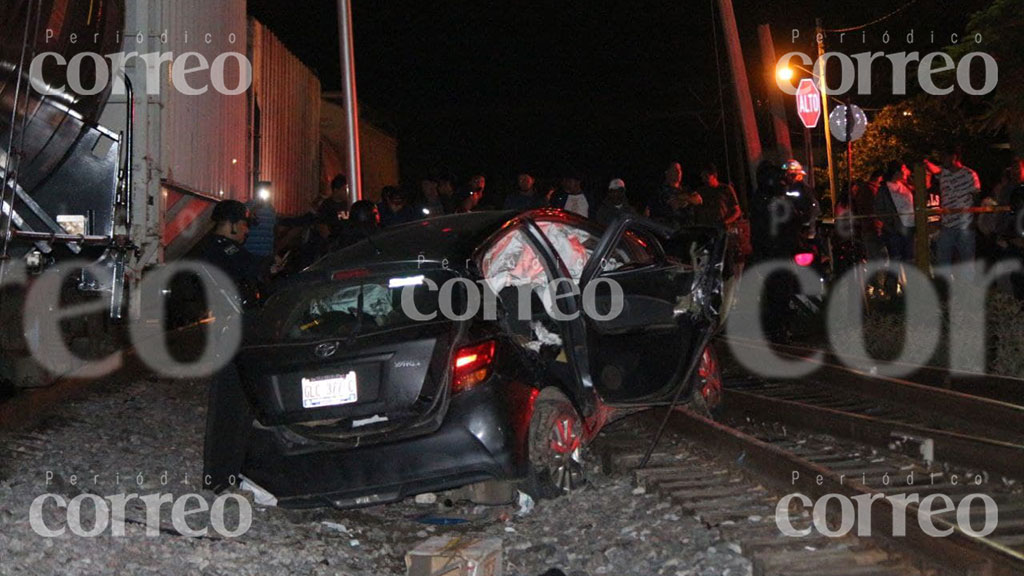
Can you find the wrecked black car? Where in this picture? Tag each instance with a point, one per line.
(464, 349)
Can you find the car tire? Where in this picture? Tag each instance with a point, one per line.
(706, 398)
(556, 465)
(228, 424)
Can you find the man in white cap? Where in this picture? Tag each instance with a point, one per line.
(615, 202)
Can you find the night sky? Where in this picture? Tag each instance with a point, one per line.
(600, 87)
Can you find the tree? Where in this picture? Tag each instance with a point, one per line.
(911, 130)
(1001, 29)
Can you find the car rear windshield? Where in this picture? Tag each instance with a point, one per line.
(370, 304)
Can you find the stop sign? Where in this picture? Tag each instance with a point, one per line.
(808, 103)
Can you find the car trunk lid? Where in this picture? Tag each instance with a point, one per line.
(346, 358)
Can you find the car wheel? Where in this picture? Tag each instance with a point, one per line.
(556, 449)
(228, 423)
(707, 388)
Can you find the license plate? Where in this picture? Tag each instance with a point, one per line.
(329, 390)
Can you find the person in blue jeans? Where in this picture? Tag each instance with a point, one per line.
(959, 187)
(895, 202)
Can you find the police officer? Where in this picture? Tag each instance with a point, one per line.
(363, 222)
(804, 200)
(225, 249)
(228, 414)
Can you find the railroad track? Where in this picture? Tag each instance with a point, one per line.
(733, 478)
(993, 386)
(943, 425)
(740, 502)
(937, 430)
(844, 433)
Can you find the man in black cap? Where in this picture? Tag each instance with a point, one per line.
(225, 248)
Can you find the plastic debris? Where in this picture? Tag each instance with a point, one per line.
(335, 526)
(526, 504)
(260, 495)
(441, 520)
(425, 499)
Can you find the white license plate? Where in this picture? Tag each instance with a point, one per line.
(329, 391)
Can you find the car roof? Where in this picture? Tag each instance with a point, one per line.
(452, 237)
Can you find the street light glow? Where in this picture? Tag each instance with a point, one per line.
(784, 73)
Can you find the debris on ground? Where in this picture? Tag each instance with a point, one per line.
(146, 437)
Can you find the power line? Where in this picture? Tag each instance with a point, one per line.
(873, 22)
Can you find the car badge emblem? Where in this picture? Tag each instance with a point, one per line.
(326, 350)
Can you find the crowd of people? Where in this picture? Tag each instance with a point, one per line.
(331, 224)
(881, 211)
(883, 215)
(251, 243)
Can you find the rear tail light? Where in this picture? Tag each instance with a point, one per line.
(804, 259)
(472, 366)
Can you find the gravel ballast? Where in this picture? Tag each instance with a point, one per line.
(145, 438)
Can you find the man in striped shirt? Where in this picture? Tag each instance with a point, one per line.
(960, 187)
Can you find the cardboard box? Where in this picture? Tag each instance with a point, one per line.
(455, 556)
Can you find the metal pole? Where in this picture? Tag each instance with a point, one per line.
(820, 37)
(922, 252)
(849, 149)
(751, 139)
(348, 79)
(780, 123)
(809, 156)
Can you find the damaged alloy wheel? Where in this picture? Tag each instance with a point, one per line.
(707, 388)
(556, 449)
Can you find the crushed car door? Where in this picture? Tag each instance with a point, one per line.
(523, 273)
(651, 298)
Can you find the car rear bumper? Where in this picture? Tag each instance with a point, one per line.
(482, 438)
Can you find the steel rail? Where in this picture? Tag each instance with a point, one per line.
(986, 453)
(776, 466)
(924, 393)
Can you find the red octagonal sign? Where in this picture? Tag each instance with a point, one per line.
(808, 103)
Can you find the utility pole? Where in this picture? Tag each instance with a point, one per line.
(819, 37)
(922, 255)
(348, 80)
(849, 149)
(780, 124)
(809, 154)
(741, 88)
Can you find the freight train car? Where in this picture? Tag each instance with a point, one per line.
(122, 123)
